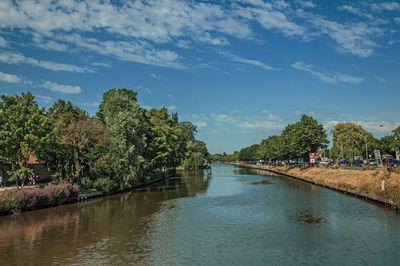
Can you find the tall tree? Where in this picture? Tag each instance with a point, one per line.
(125, 120)
(162, 138)
(24, 132)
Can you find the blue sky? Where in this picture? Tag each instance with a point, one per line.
(241, 70)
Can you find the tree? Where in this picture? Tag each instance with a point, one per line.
(78, 143)
(351, 138)
(195, 155)
(162, 141)
(304, 137)
(126, 122)
(271, 148)
(24, 132)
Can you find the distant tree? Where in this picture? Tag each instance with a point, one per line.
(304, 137)
(24, 131)
(351, 138)
(195, 155)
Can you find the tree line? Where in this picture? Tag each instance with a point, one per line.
(297, 140)
(122, 145)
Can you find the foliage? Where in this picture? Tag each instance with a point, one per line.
(195, 155)
(105, 185)
(304, 137)
(125, 120)
(78, 141)
(24, 131)
(351, 138)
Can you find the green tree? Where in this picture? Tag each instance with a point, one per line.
(304, 137)
(351, 138)
(163, 141)
(78, 143)
(195, 155)
(126, 122)
(24, 132)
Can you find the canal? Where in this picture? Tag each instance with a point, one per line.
(222, 216)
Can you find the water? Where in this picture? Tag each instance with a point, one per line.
(222, 216)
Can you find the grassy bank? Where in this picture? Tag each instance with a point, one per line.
(365, 183)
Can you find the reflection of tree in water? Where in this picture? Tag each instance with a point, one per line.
(196, 182)
(118, 224)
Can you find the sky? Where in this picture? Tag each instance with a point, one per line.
(240, 70)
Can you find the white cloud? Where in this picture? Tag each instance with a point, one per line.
(54, 86)
(200, 124)
(325, 77)
(44, 99)
(306, 4)
(91, 104)
(213, 40)
(354, 38)
(143, 89)
(253, 62)
(250, 122)
(155, 76)
(3, 42)
(9, 78)
(356, 11)
(397, 20)
(171, 107)
(15, 58)
(382, 80)
(388, 6)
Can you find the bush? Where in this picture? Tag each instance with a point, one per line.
(24, 199)
(105, 185)
(86, 182)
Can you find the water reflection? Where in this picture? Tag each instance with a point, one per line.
(212, 217)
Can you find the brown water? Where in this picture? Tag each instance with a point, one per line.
(222, 216)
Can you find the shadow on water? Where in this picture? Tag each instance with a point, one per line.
(307, 216)
(263, 182)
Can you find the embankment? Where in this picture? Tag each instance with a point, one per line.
(365, 184)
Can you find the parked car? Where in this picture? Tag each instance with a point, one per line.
(325, 163)
(357, 162)
(372, 162)
(344, 163)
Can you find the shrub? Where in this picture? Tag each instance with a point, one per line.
(105, 185)
(28, 199)
(86, 182)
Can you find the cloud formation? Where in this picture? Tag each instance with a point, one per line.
(327, 77)
(54, 86)
(9, 78)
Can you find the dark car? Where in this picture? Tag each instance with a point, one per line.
(357, 162)
(344, 163)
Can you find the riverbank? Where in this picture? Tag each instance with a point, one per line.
(13, 200)
(365, 183)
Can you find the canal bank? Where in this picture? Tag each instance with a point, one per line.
(29, 198)
(365, 184)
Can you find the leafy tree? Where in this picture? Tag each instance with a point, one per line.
(304, 137)
(126, 122)
(249, 153)
(78, 142)
(271, 148)
(24, 132)
(351, 138)
(195, 155)
(163, 141)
